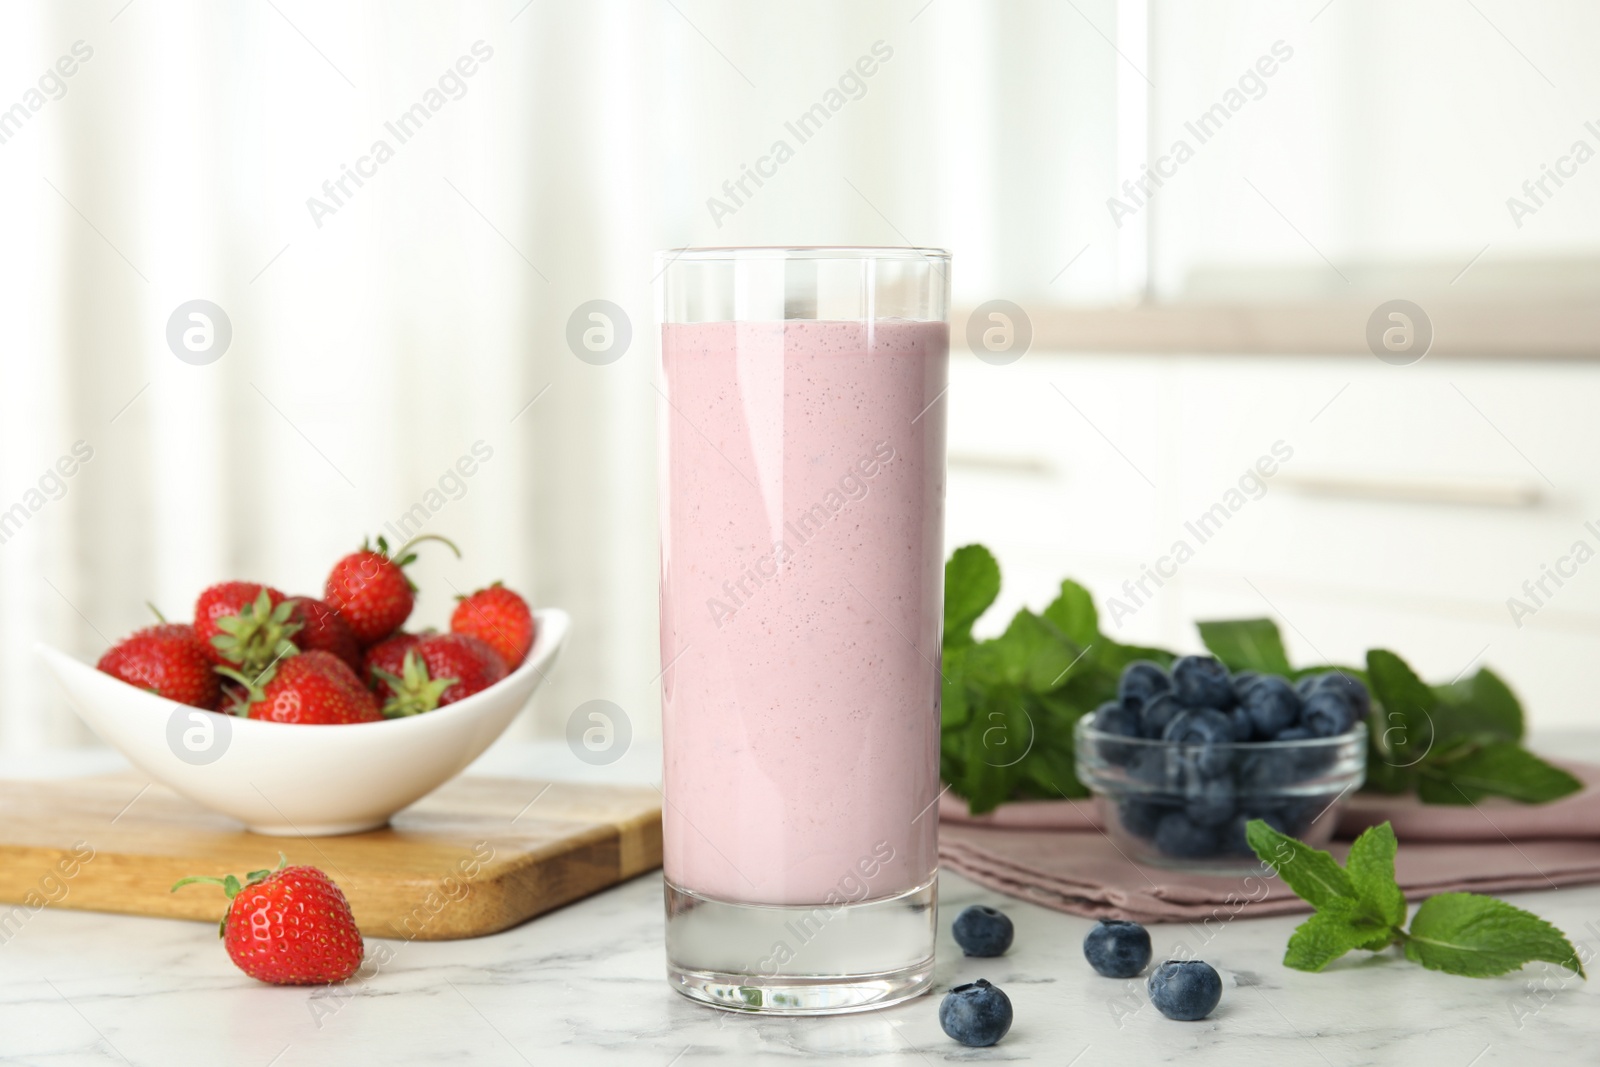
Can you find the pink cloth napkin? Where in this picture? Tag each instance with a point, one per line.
(1053, 853)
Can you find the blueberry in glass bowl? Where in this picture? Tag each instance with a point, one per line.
(1176, 780)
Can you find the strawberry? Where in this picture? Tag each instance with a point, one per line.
(169, 661)
(244, 625)
(387, 657)
(370, 589)
(441, 669)
(499, 618)
(291, 926)
(316, 688)
(323, 629)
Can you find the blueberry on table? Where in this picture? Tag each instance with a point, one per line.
(1202, 682)
(1117, 949)
(1141, 680)
(1156, 713)
(1272, 705)
(1185, 989)
(976, 1014)
(982, 931)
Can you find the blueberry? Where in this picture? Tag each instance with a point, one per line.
(1117, 949)
(1156, 713)
(1303, 761)
(1121, 720)
(1272, 705)
(1267, 769)
(1185, 989)
(1328, 713)
(1306, 685)
(1202, 682)
(1350, 687)
(1243, 728)
(1142, 680)
(1212, 804)
(1243, 680)
(1149, 764)
(1180, 837)
(976, 1014)
(1140, 817)
(1206, 729)
(982, 931)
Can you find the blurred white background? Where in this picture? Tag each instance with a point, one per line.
(379, 336)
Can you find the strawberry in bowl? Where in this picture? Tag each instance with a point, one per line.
(277, 711)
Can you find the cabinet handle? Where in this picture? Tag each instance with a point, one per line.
(1482, 493)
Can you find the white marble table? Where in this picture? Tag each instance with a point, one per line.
(584, 985)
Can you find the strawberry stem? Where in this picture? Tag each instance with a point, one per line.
(400, 552)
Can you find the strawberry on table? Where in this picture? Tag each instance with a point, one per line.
(498, 617)
(370, 589)
(439, 670)
(323, 630)
(314, 688)
(245, 625)
(168, 660)
(291, 926)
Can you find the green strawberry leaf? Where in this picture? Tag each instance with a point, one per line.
(1334, 930)
(1246, 645)
(1503, 768)
(971, 584)
(1313, 874)
(1468, 934)
(1370, 866)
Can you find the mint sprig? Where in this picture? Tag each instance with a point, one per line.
(1361, 906)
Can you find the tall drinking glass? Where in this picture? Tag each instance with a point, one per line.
(802, 539)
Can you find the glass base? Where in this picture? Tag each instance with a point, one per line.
(799, 959)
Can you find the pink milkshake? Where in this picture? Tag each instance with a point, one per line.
(800, 608)
(801, 612)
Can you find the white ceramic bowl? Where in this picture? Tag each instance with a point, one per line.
(292, 780)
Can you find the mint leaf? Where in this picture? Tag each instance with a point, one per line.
(1404, 732)
(1246, 645)
(1314, 875)
(953, 708)
(1467, 934)
(1370, 866)
(1502, 769)
(1480, 705)
(1333, 931)
(1074, 614)
(971, 584)
(1031, 654)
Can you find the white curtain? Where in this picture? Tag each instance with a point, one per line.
(383, 330)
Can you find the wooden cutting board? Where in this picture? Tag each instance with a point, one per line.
(475, 857)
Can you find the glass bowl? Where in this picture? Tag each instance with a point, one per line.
(1186, 805)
